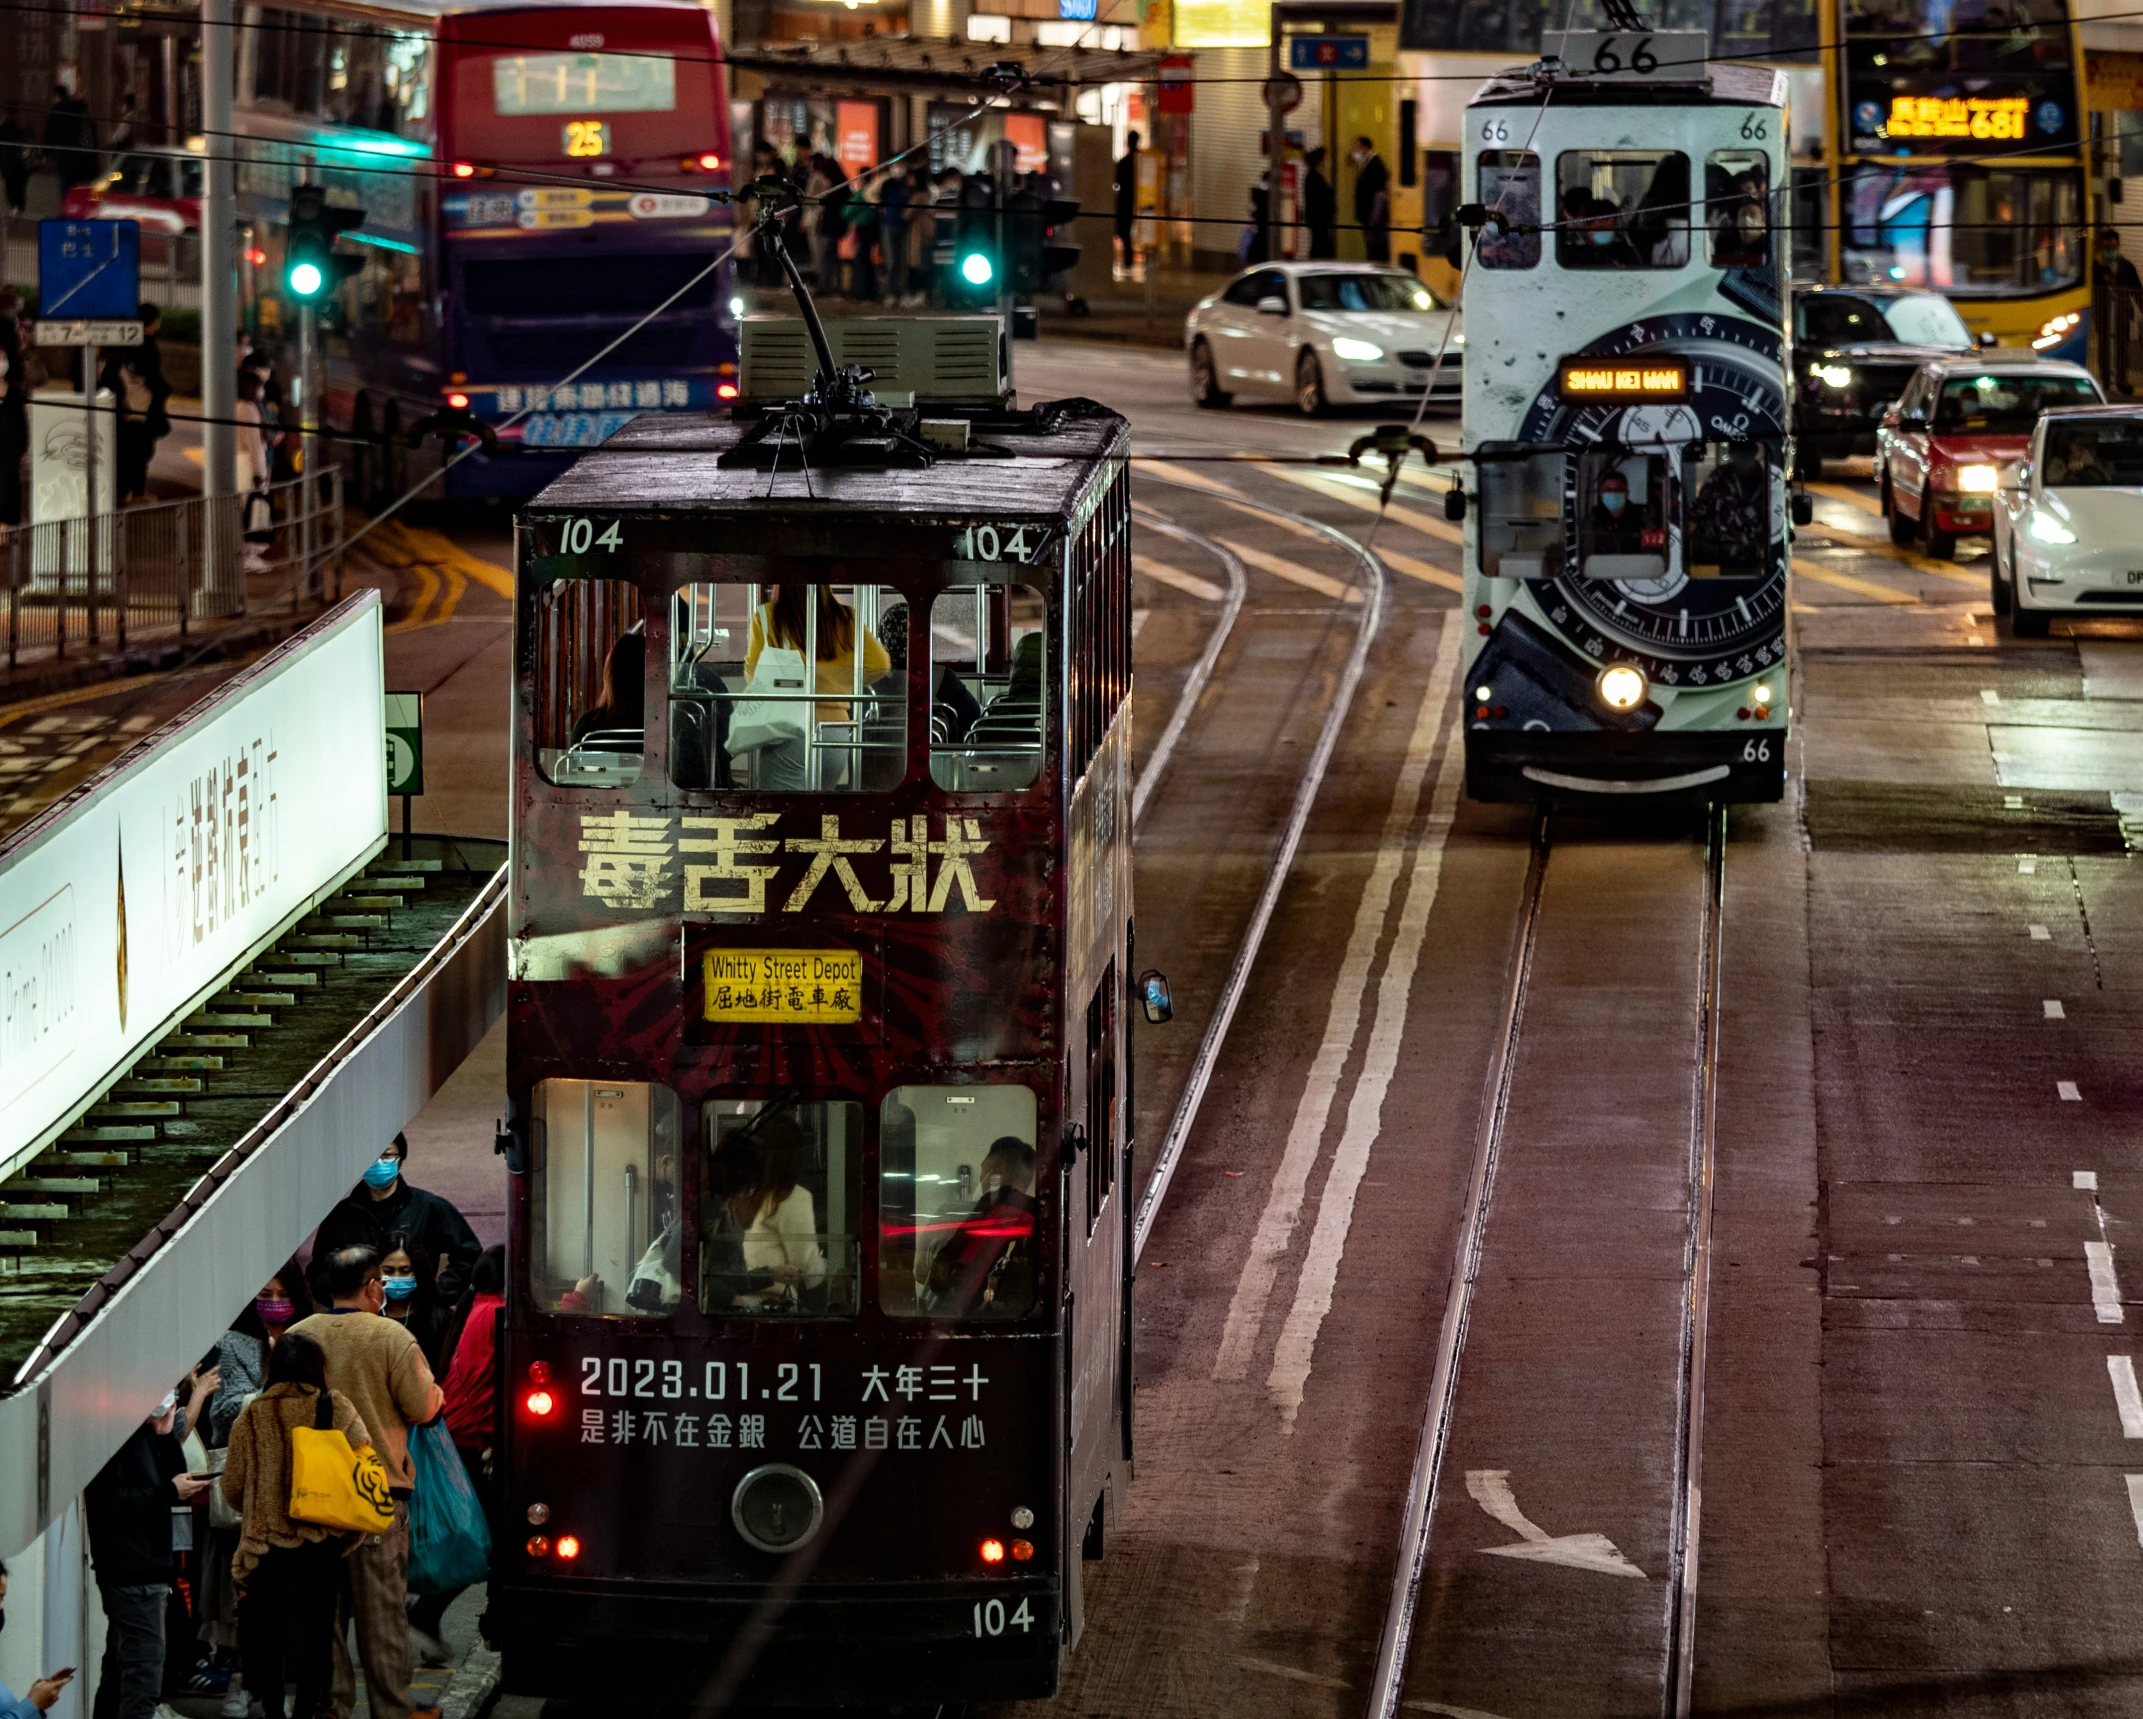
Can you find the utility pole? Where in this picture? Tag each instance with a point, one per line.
(308, 439)
(1007, 160)
(222, 592)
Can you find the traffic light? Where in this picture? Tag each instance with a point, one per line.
(1038, 239)
(312, 268)
(977, 266)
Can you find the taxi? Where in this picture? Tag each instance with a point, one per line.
(1940, 450)
(160, 188)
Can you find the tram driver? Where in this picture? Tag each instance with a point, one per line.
(1613, 526)
(988, 1263)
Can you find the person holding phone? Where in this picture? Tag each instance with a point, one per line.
(43, 1692)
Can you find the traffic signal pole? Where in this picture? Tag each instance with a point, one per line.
(308, 438)
(221, 589)
(1007, 160)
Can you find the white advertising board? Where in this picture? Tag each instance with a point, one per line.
(122, 908)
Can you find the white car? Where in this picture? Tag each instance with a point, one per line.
(2068, 533)
(1323, 334)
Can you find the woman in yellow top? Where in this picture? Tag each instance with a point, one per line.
(782, 622)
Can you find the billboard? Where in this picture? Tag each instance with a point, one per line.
(127, 902)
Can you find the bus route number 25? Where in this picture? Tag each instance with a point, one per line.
(580, 536)
(991, 1618)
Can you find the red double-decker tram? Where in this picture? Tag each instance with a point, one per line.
(815, 1367)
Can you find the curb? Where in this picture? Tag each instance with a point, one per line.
(475, 1686)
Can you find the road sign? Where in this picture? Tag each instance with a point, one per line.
(405, 742)
(1288, 89)
(89, 269)
(61, 332)
(1328, 53)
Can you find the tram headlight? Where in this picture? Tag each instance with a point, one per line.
(1978, 480)
(1832, 375)
(1763, 694)
(1622, 686)
(1356, 351)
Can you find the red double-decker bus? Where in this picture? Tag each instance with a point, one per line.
(815, 1364)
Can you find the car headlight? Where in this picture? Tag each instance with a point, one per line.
(736, 309)
(1832, 375)
(1356, 351)
(2045, 528)
(1978, 480)
(1422, 301)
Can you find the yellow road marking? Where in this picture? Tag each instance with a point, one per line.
(1342, 489)
(1148, 568)
(1846, 582)
(1840, 492)
(1420, 570)
(1911, 558)
(1294, 573)
(1235, 497)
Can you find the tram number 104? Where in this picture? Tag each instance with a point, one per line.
(991, 1618)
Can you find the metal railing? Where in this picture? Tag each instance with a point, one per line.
(95, 587)
(2119, 343)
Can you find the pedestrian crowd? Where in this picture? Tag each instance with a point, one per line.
(235, 1547)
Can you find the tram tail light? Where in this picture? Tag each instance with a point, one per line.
(540, 1403)
(568, 1547)
(1022, 1551)
(539, 1372)
(539, 1545)
(993, 1551)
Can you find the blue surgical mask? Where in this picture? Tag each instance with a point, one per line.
(1613, 502)
(1603, 239)
(381, 1172)
(400, 1288)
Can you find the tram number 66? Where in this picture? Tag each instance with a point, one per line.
(992, 1619)
(580, 536)
(1756, 752)
(1642, 60)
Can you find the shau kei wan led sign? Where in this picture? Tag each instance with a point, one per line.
(1624, 381)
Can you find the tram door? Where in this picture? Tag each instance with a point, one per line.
(1096, 1213)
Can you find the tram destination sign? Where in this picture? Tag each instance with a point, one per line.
(784, 987)
(1624, 381)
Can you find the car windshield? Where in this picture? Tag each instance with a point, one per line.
(2098, 453)
(1923, 319)
(1365, 292)
(1846, 319)
(2007, 404)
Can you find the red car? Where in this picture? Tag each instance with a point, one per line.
(160, 188)
(1941, 448)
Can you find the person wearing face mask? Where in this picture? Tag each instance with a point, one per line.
(1613, 527)
(413, 1297)
(128, 1506)
(1729, 521)
(384, 1204)
(43, 1692)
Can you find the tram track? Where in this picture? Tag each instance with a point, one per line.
(1453, 1426)
(1372, 585)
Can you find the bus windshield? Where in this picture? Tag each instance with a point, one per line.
(1964, 229)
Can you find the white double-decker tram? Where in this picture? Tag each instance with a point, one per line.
(1629, 530)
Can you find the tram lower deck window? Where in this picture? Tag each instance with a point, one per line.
(606, 1198)
(989, 687)
(780, 1193)
(1510, 185)
(957, 1232)
(740, 714)
(591, 683)
(1621, 209)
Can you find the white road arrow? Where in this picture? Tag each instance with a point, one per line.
(1491, 1490)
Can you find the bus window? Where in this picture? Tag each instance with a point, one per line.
(1727, 513)
(780, 1191)
(989, 687)
(606, 1212)
(1621, 209)
(1737, 208)
(591, 686)
(957, 1237)
(740, 715)
(1510, 185)
(1960, 227)
(1622, 514)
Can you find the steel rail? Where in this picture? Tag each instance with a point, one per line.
(1202, 669)
(1306, 791)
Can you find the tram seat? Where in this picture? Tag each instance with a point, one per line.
(697, 759)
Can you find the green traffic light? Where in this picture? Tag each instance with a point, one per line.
(976, 268)
(305, 279)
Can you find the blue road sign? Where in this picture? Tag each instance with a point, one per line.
(1327, 53)
(88, 268)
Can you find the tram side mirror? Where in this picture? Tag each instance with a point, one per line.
(1804, 508)
(1272, 307)
(1454, 504)
(1155, 998)
(507, 1143)
(1074, 1143)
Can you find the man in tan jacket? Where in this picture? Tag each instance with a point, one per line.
(376, 1363)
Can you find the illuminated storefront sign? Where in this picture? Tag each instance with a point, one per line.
(1223, 23)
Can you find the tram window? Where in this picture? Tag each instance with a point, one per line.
(1520, 509)
(1622, 209)
(989, 687)
(957, 1173)
(1510, 184)
(740, 716)
(591, 686)
(606, 1198)
(1727, 514)
(780, 1193)
(1622, 519)
(1737, 208)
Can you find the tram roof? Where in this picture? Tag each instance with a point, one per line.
(665, 462)
(1725, 84)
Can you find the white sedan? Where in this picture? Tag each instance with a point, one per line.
(1323, 334)
(2068, 535)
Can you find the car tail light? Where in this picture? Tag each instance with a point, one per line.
(710, 162)
(725, 391)
(460, 402)
(464, 170)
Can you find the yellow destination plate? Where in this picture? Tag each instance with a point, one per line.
(785, 987)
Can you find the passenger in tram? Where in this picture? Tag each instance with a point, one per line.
(783, 623)
(1729, 521)
(733, 1172)
(950, 701)
(1592, 238)
(1659, 230)
(989, 1261)
(622, 705)
(781, 1235)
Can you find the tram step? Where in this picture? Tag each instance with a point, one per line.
(55, 1185)
(231, 1022)
(346, 922)
(376, 903)
(305, 956)
(137, 1107)
(256, 1000)
(99, 1133)
(89, 1160)
(173, 1064)
(382, 881)
(401, 865)
(19, 1211)
(18, 1238)
(207, 1041)
(289, 978)
(168, 1083)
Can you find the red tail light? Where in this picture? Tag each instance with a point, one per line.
(568, 1547)
(993, 1551)
(539, 1372)
(540, 1403)
(1022, 1550)
(710, 162)
(464, 170)
(539, 1545)
(460, 402)
(725, 391)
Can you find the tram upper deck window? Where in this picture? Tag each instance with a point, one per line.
(591, 683)
(740, 714)
(1737, 208)
(1622, 209)
(989, 687)
(957, 1230)
(1510, 185)
(781, 1191)
(606, 1188)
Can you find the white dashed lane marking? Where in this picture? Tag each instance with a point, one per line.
(2054, 1010)
(2135, 1503)
(2127, 1396)
(2084, 1179)
(2105, 1287)
(2040, 934)
(2070, 1092)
